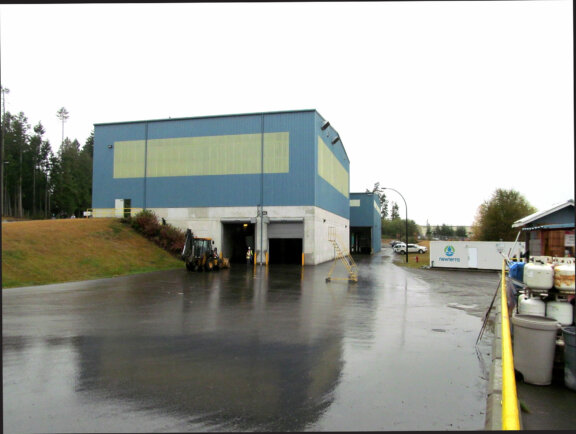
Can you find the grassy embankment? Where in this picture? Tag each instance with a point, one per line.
(39, 252)
(415, 260)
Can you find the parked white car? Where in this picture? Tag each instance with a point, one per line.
(412, 248)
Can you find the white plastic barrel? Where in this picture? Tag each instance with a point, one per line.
(534, 347)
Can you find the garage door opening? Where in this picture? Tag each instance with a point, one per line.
(236, 237)
(361, 240)
(285, 251)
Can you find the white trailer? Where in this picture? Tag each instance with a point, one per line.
(481, 255)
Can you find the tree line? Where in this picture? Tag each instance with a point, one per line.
(36, 181)
(493, 220)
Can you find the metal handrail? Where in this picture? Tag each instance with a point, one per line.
(510, 414)
(113, 212)
(344, 257)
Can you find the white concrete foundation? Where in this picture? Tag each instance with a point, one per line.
(316, 246)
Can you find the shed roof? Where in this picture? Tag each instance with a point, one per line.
(538, 215)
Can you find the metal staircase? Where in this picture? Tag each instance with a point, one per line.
(343, 257)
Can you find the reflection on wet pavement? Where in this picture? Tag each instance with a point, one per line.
(238, 350)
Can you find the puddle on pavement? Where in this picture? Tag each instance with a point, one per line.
(276, 350)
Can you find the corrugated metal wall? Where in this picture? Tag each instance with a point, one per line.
(365, 212)
(330, 193)
(217, 161)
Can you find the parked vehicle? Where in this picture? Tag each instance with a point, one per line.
(412, 248)
(393, 243)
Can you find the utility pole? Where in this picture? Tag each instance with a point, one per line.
(388, 188)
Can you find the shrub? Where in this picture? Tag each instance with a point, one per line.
(146, 222)
(172, 239)
(166, 236)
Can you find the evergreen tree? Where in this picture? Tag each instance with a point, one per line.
(446, 231)
(381, 197)
(461, 232)
(84, 176)
(72, 178)
(15, 146)
(397, 229)
(395, 213)
(65, 174)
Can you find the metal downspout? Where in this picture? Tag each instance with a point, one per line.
(145, 162)
(261, 185)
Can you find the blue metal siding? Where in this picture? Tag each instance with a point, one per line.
(293, 188)
(565, 215)
(377, 227)
(104, 187)
(366, 215)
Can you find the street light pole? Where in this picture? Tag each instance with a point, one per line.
(406, 206)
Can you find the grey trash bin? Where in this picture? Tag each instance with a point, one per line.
(569, 334)
(534, 346)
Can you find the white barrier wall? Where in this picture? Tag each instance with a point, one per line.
(481, 255)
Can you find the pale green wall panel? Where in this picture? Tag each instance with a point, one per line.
(129, 159)
(276, 152)
(199, 156)
(330, 169)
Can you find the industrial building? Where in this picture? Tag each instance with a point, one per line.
(549, 232)
(277, 182)
(365, 223)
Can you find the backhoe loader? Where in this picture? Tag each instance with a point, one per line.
(199, 255)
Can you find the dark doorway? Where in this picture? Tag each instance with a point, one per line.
(285, 251)
(127, 207)
(361, 240)
(236, 239)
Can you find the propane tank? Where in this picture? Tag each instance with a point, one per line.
(539, 276)
(564, 277)
(529, 305)
(561, 311)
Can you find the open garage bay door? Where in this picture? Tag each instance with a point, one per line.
(236, 237)
(285, 242)
(361, 240)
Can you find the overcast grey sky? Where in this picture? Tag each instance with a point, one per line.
(443, 101)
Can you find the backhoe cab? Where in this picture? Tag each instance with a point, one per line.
(199, 255)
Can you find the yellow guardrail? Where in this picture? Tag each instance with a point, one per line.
(510, 414)
(112, 212)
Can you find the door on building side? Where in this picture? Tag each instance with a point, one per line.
(472, 257)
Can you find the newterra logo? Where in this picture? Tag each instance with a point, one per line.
(449, 251)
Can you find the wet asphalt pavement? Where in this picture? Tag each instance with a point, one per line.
(238, 350)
